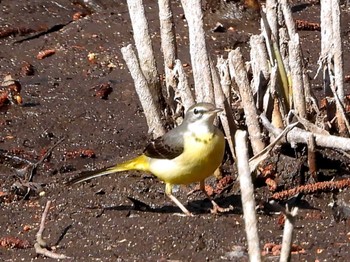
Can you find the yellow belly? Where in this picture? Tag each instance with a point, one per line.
(201, 156)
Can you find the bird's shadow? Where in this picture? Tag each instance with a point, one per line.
(203, 206)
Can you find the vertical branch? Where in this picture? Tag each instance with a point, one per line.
(167, 33)
(247, 194)
(326, 42)
(338, 53)
(297, 75)
(183, 89)
(250, 110)
(260, 67)
(288, 18)
(338, 63)
(168, 40)
(198, 50)
(331, 57)
(144, 91)
(288, 234)
(271, 17)
(144, 48)
(222, 101)
(225, 79)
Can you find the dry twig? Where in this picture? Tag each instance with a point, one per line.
(298, 135)
(40, 245)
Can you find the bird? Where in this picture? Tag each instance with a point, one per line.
(188, 153)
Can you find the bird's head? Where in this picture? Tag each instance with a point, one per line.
(201, 115)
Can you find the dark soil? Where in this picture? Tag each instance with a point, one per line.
(96, 221)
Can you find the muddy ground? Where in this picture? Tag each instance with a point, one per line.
(96, 221)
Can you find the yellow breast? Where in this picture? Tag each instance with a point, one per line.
(202, 155)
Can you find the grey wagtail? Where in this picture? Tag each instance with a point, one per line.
(186, 154)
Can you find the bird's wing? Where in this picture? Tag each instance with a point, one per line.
(168, 146)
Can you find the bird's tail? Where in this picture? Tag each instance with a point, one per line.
(139, 163)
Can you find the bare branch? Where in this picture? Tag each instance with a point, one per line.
(183, 89)
(198, 50)
(148, 101)
(246, 94)
(298, 135)
(247, 193)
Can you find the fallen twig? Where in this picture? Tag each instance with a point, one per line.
(33, 166)
(40, 245)
(42, 159)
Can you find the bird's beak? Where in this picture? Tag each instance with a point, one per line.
(217, 110)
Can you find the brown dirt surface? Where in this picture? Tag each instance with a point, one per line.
(96, 221)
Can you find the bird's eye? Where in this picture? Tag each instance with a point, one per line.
(195, 111)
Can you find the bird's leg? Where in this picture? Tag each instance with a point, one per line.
(216, 208)
(169, 193)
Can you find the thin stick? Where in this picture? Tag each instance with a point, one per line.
(40, 245)
(262, 155)
(311, 157)
(298, 135)
(247, 194)
(42, 159)
(39, 235)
